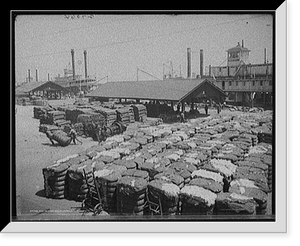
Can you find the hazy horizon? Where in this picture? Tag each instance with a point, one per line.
(117, 44)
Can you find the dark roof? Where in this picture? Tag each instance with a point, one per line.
(238, 48)
(168, 90)
(32, 86)
(29, 86)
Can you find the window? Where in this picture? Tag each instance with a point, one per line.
(223, 85)
(253, 83)
(234, 54)
(261, 83)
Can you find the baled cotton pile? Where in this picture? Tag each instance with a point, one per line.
(197, 200)
(208, 175)
(223, 166)
(212, 165)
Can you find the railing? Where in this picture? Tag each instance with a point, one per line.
(249, 88)
(260, 85)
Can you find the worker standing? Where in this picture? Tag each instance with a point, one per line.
(182, 117)
(178, 109)
(100, 133)
(219, 108)
(206, 109)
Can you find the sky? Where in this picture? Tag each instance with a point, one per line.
(118, 44)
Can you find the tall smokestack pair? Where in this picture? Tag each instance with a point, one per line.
(73, 63)
(189, 63)
(36, 75)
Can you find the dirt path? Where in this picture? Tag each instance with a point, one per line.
(34, 152)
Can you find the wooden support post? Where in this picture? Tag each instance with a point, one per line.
(244, 99)
(182, 107)
(251, 99)
(192, 104)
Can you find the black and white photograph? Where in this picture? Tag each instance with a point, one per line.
(145, 117)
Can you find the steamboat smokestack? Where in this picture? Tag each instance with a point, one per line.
(36, 75)
(73, 63)
(201, 63)
(85, 64)
(189, 72)
(28, 75)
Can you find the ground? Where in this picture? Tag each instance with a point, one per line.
(34, 151)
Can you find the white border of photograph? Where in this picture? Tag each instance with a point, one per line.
(280, 226)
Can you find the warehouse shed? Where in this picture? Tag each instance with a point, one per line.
(47, 89)
(172, 90)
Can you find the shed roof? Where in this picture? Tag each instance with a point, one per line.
(36, 85)
(168, 90)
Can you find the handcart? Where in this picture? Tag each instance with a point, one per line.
(92, 202)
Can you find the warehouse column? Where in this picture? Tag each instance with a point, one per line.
(192, 105)
(251, 97)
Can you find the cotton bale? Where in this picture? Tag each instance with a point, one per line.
(196, 200)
